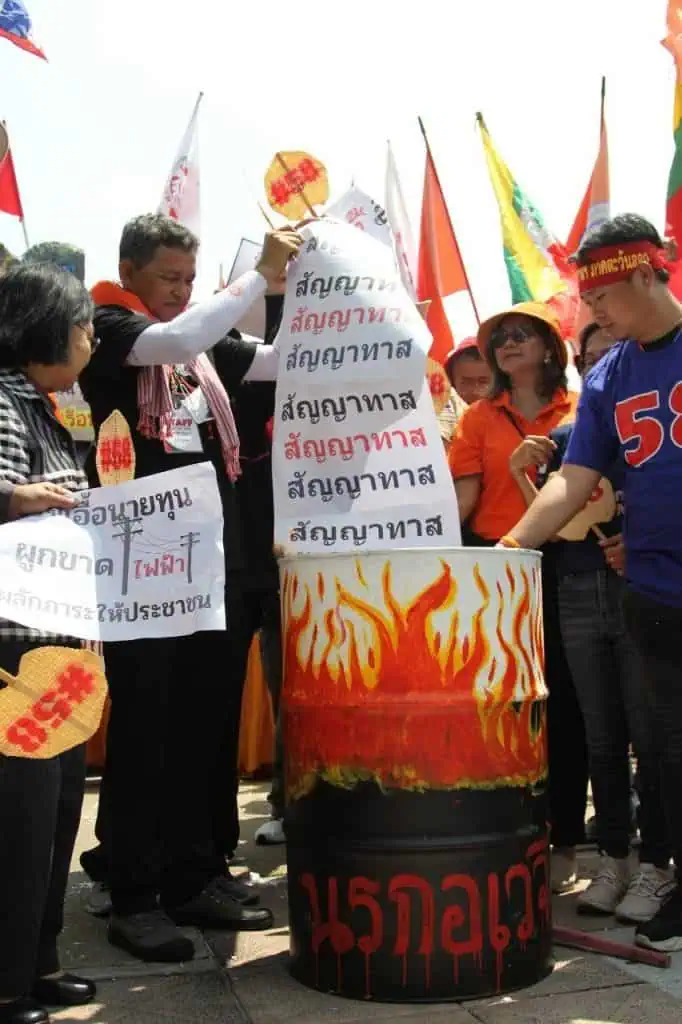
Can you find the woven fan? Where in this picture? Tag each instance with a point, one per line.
(54, 702)
(115, 456)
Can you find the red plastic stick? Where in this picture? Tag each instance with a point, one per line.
(598, 944)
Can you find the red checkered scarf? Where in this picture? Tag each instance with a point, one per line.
(154, 399)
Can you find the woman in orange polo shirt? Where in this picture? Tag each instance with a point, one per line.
(528, 398)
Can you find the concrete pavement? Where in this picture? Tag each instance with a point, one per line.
(242, 978)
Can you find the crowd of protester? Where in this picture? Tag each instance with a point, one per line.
(525, 451)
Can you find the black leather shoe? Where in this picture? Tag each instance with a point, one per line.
(244, 894)
(150, 936)
(214, 908)
(68, 990)
(23, 1011)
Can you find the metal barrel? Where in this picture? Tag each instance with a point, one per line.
(414, 733)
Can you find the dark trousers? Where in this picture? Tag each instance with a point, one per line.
(568, 765)
(40, 806)
(567, 753)
(252, 610)
(617, 708)
(168, 812)
(271, 656)
(656, 630)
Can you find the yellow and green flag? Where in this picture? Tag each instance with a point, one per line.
(537, 263)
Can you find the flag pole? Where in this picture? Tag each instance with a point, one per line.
(459, 252)
(23, 228)
(603, 100)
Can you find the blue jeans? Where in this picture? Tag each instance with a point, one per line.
(617, 708)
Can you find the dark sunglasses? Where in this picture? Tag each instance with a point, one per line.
(501, 335)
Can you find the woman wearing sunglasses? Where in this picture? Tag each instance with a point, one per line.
(528, 398)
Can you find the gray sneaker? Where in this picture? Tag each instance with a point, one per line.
(608, 887)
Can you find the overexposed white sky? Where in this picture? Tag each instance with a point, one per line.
(95, 130)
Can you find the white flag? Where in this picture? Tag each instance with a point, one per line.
(405, 249)
(181, 193)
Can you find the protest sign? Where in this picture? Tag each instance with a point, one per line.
(357, 455)
(73, 412)
(355, 207)
(142, 559)
(248, 255)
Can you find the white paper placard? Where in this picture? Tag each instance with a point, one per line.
(357, 456)
(141, 559)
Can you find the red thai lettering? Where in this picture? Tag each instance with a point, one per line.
(457, 917)
(361, 893)
(404, 928)
(339, 934)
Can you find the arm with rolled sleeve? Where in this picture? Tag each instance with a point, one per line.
(15, 467)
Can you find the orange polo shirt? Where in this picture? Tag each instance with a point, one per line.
(484, 440)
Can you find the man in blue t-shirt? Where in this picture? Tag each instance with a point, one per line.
(631, 406)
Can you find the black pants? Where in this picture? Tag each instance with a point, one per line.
(656, 630)
(616, 703)
(568, 763)
(168, 803)
(258, 610)
(40, 806)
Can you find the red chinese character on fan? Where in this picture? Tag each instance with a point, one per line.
(308, 171)
(75, 683)
(295, 180)
(280, 192)
(116, 453)
(436, 384)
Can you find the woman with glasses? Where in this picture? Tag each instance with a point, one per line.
(528, 398)
(45, 341)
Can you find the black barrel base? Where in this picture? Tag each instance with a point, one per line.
(421, 919)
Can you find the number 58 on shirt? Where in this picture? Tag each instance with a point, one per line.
(634, 424)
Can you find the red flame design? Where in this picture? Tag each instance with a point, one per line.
(412, 708)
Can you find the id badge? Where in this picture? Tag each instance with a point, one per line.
(184, 437)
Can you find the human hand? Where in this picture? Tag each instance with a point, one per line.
(31, 499)
(614, 552)
(278, 248)
(533, 451)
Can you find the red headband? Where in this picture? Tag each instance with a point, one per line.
(615, 263)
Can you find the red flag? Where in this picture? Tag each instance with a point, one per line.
(10, 201)
(595, 207)
(440, 270)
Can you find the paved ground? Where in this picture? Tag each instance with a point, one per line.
(243, 979)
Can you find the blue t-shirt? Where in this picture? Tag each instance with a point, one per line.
(573, 556)
(631, 406)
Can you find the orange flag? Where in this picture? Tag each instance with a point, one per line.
(440, 269)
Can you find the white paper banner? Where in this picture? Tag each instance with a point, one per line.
(142, 559)
(357, 456)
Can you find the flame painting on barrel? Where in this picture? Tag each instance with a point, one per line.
(441, 650)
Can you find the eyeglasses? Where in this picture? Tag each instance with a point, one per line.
(501, 335)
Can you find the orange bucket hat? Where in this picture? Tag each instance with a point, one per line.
(534, 310)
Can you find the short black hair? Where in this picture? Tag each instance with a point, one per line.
(627, 227)
(39, 304)
(553, 374)
(143, 235)
(583, 340)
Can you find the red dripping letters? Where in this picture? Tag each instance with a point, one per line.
(405, 918)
